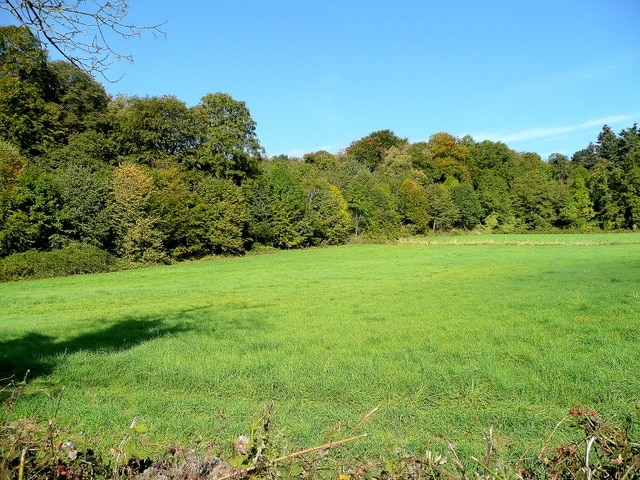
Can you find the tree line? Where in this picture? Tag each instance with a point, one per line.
(153, 180)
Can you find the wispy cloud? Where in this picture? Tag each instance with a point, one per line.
(549, 132)
(581, 77)
(573, 78)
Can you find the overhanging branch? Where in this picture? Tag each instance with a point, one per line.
(77, 29)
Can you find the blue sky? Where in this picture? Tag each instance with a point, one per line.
(542, 76)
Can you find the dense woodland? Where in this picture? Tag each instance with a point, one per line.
(154, 180)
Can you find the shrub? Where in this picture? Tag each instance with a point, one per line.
(75, 258)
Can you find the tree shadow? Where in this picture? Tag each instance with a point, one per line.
(35, 354)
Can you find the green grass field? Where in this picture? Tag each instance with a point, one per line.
(448, 336)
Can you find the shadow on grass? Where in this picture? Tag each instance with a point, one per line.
(39, 354)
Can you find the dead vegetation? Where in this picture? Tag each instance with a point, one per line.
(33, 451)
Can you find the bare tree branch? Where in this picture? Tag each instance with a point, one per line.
(78, 29)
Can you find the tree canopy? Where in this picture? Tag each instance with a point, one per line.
(154, 180)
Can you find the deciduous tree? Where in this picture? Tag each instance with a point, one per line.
(441, 208)
(153, 128)
(137, 235)
(278, 205)
(12, 165)
(326, 208)
(371, 150)
(29, 222)
(227, 143)
(561, 166)
(468, 203)
(578, 211)
(26, 119)
(450, 157)
(218, 219)
(81, 215)
(80, 98)
(412, 205)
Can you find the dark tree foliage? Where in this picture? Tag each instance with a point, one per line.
(226, 136)
(81, 216)
(562, 167)
(218, 217)
(586, 157)
(80, 98)
(153, 128)
(615, 178)
(22, 57)
(466, 199)
(278, 203)
(42, 103)
(30, 223)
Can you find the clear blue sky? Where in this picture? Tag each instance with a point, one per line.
(541, 76)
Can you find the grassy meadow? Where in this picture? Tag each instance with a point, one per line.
(447, 336)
